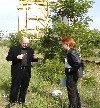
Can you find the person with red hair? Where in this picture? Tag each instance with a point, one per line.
(72, 64)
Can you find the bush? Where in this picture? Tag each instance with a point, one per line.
(51, 71)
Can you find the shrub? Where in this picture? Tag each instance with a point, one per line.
(51, 71)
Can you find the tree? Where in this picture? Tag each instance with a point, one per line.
(78, 29)
(74, 10)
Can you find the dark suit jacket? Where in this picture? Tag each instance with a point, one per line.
(16, 63)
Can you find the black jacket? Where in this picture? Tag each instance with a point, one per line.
(16, 63)
(74, 61)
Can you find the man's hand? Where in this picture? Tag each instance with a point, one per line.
(68, 70)
(20, 56)
(35, 56)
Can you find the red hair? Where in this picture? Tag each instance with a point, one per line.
(68, 41)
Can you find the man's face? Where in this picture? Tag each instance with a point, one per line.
(24, 43)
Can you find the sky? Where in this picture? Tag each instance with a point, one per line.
(9, 15)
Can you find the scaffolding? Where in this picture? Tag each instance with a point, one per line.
(33, 16)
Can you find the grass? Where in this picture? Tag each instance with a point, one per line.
(39, 93)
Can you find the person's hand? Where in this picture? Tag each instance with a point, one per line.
(35, 56)
(20, 56)
(68, 70)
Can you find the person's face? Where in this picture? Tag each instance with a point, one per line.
(66, 47)
(25, 43)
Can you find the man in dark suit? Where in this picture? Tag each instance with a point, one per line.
(21, 57)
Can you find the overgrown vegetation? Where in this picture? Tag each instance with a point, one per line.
(46, 78)
(47, 72)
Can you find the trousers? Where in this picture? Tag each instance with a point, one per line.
(73, 94)
(19, 86)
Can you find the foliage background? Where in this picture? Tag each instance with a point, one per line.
(47, 72)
